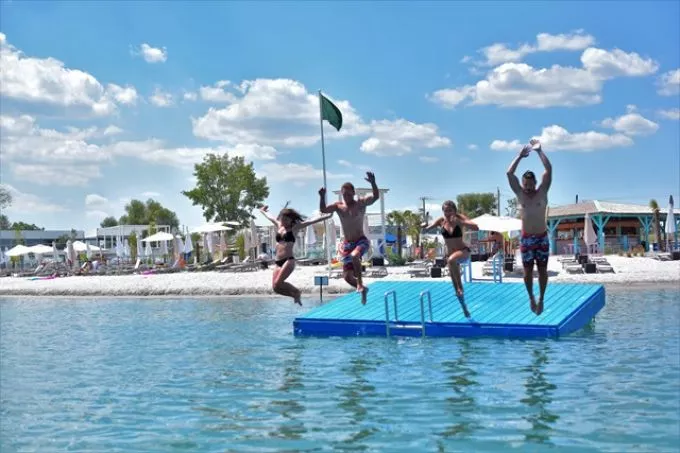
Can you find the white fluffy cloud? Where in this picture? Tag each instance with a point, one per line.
(48, 81)
(159, 98)
(545, 42)
(28, 203)
(396, 138)
(669, 83)
(153, 54)
(670, 114)
(521, 85)
(557, 138)
(631, 124)
(277, 112)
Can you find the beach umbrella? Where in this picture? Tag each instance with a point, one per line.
(188, 245)
(164, 248)
(140, 250)
(589, 235)
(55, 253)
(223, 244)
(670, 222)
(88, 251)
(148, 252)
(501, 224)
(366, 227)
(126, 249)
(159, 237)
(332, 236)
(18, 250)
(71, 253)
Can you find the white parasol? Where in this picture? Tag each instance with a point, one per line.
(670, 229)
(501, 224)
(589, 235)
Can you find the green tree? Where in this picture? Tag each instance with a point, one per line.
(5, 223)
(476, 204)
(654, 205)
(25, 226)
(5, 197)
(227, 189)
(109, 222)
(132, 242)
(140, 213)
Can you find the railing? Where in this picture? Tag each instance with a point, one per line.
(387, 310)
(422, 308)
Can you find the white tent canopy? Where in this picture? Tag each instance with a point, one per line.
(18, 250)
(210, 228)
(501, 224)
(160, 236)
(40, 249)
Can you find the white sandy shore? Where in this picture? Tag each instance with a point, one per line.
(628, 271)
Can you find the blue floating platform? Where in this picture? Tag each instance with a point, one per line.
(497, 310)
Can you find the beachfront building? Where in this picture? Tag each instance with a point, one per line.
(106, 237)
(10, 238)
(619, 226)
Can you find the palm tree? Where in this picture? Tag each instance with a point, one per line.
(657, 222)
(397, 218)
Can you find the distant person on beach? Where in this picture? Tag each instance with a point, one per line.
(351, 212)
(288, 224)
(451, 224)
(534, 242)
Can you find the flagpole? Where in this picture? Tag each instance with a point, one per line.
(323, 163)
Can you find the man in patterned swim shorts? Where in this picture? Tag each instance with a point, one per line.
(351, 212)
(534, 243)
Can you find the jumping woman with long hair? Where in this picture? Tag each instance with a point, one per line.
(288, 223)
(451, 224)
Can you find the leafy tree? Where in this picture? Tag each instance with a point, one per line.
(476, 204)
(25, 226)
(4, 223)
(132, 242)
(227, 189)
(654, 205)
(140, 213)
(5, 197)
(109, 222)
(408, 222)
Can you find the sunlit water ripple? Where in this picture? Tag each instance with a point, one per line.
(211, 375)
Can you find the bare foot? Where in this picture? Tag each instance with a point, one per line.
(533, 303)
(539, 307)
(364, 294)
(297, 298)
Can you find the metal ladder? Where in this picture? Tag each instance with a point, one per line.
(396, 313)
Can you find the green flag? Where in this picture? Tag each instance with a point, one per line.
(331, 113)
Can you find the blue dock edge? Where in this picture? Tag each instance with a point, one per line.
(498, 310)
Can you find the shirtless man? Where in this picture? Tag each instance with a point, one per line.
(534, 244)
(351, 213)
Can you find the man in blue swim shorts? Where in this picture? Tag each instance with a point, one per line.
(351, 212)
(534, 243)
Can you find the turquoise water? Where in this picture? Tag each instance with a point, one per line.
(226, 375)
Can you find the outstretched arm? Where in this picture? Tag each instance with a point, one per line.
(264, 212)
(547, 174)
(323, 207)
(436, 223)
(306, 223)
(512, 179)
(467, 223)
(370, 199)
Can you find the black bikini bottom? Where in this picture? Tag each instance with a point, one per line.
(280, 263)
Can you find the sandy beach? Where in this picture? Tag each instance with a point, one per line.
(628, 271)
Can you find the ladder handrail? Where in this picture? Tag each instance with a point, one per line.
(422, 308)
(387, 310)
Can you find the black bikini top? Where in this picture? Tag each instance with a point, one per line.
(457, 232)
(288, 237)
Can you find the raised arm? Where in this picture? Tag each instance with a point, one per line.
(512, 178)
(436, 223)
(265, 213)
(306, 223)
(547, 174)
(370, 199)
(467, 223)
(323, 207)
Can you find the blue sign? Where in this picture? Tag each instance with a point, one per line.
(321, 280)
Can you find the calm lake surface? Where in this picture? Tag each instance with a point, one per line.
(227, 375)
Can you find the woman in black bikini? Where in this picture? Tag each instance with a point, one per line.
(288, 223)
(451, 224)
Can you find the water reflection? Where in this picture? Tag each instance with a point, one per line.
(538, 397)
(353, 393)
(293, 388)
(462, 381)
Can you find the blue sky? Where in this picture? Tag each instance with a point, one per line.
(102, 103)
